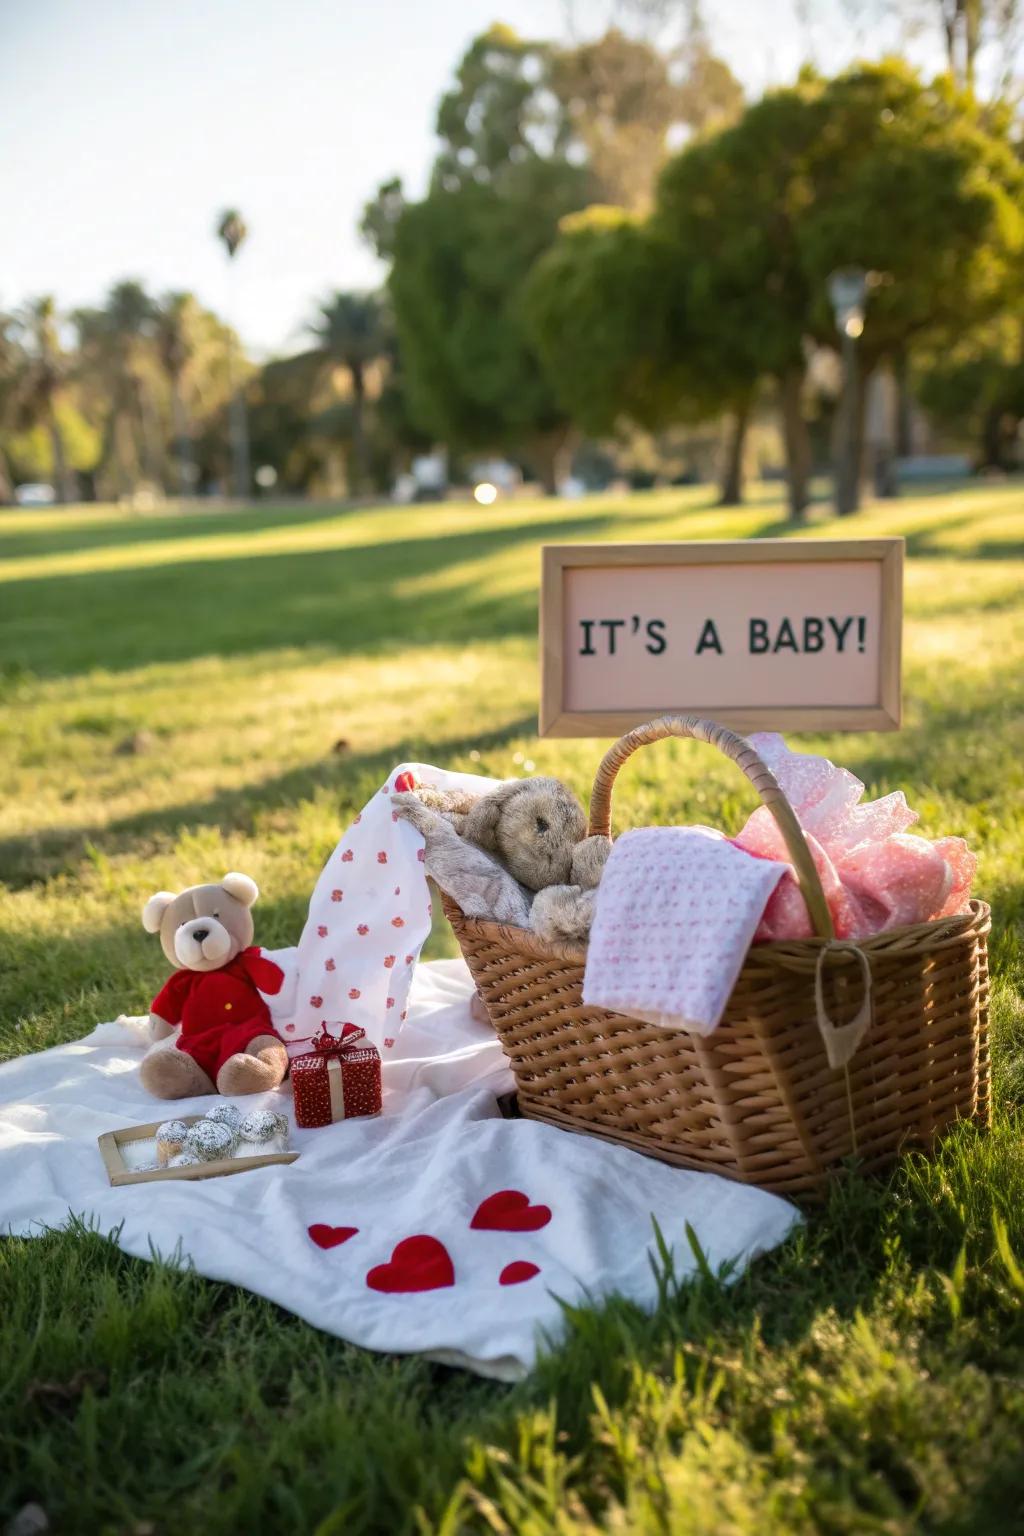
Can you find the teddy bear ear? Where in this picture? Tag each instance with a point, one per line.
(241, 888)
(153, 911)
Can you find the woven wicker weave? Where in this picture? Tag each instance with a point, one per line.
(774, 1096)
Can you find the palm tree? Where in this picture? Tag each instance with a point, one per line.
(42, 381)
(117, 352)
(353, 332)
(233, 231)
(176, 340)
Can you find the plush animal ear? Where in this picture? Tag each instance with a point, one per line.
(241, 888)
(153, 911)
(481, 821)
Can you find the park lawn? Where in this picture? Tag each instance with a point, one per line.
(181, 694)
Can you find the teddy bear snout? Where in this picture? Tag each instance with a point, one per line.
(202, 942)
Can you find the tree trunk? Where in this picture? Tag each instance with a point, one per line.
(60, 463)
(151, 455)
(902, 426)
(360, 458)
(551, 458)
(998, 436)
(859, 415)
(182, 440)
(850, 425)
(732, 474)
(6, 482)
(238, 429)
(797, 440)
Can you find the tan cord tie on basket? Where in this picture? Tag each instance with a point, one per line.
(841, 1040)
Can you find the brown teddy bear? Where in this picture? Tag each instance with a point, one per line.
(227, 1042)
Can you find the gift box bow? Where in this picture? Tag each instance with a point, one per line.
(326, 1044)
(332, 1050)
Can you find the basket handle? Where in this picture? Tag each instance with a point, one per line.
(760, 775)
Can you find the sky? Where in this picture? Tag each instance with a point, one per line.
(126, 126)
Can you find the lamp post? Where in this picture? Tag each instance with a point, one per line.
(847, 291)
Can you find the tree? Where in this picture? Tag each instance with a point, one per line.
(610, 311)
(233, 232)
(730, 206)
(620, 103)
(461, 261)
(499, 113)
(11, 367)
(42, 381)
(914, 183)
(921, 187)
(117, 362)
(177, 343)
(352, 331)
(966, 27)
(976, 390)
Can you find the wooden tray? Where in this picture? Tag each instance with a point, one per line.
(111, 1142)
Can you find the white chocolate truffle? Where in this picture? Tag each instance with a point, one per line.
(170, 1138)
(210, 1141)
(263, 1125)
(226, 1114)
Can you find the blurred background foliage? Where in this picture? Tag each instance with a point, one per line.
(618, 268)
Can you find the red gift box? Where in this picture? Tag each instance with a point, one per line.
(337, 1079)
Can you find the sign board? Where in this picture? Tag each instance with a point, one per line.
(758, 634)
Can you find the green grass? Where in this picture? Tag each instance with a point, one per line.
(180, 695)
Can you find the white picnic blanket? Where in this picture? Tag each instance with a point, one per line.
(493, 1220)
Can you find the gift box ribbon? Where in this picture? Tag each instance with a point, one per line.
(335, 1048)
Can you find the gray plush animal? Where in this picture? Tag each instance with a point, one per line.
(467, 874)
(533, 832)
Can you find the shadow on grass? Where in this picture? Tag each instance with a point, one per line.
(347, 600)
(37, 856)
(31, 542)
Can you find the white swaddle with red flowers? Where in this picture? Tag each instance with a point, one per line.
(435, 1228)
(369, 916)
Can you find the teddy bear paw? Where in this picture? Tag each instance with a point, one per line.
(257, 1070)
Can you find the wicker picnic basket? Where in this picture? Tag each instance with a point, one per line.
(827, 1049)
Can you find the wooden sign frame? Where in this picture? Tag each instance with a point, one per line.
(884, 714)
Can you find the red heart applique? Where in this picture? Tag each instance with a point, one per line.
(398, 922)
(389, 961)
(337, 895)
(404, 783)
(322, 931)
(419, 1263)
(316, 1001)
(354, 992)
(347, 856)
(330, 1237)
(382, 857)
(328, 965)
(518, 1271)
(362, 929)
(509, 1210)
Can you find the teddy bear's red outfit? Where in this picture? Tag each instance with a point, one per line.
(221, 1011)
